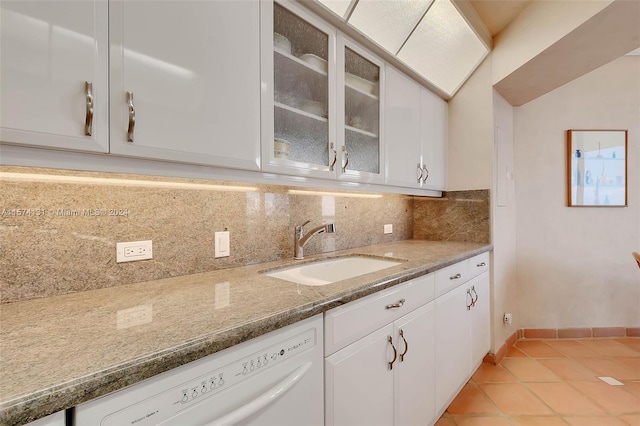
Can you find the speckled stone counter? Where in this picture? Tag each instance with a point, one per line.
(61, 351)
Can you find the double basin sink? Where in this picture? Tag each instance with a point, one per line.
(331, 270)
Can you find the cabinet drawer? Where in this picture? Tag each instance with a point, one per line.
(346, 324)
(478, 264)
(451, 277)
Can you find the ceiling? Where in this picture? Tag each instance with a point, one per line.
(498, 14)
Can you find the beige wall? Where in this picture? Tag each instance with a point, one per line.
(470, 156)
(574, 265)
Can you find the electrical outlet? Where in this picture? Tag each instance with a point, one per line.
(222, 246)
(388, 229)
(507, 318)
(134, 250)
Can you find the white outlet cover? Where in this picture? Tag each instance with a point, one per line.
(134, 250)
(388, 229)
(222, 246)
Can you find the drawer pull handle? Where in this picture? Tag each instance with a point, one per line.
(396, 305)
(456, 277)
(345, 154)
(469, 305)
(132, 117)
(474, 300)
(421, 172)
(426, 174)
(335, 157)
(480, 265)
(88, 121)
(406, 346)
(395, 353)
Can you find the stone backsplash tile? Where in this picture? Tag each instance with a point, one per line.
(461, 216)
(58, 229)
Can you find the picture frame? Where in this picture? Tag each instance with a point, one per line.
(597, 168)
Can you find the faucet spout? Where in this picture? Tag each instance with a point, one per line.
(300, 240)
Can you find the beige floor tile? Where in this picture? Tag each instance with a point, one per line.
(573, 348)
(611, 368)
(538, 349)
(489, 373)
(631, 342)
(613, 399)
(631, 362)
(594, 421)
(471, 401)
(538, 421)
(515, 399)
(529, 370)
(565, 400)
(515, 353)
(632, 419)
(445, 421)
(610, 347)
(481, 421)
(632, 387)
(569, 369)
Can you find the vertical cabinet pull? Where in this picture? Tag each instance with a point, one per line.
(420, 171)
(395, 353)
(88, 121)
(474, 300)
(469, 305)
(426, 174)
(335, 156)
(406, 346)
(132, 117)
(345, 154)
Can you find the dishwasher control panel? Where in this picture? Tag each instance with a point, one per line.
(165, 405)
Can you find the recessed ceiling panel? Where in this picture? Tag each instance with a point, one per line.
(444, 48)
(339, 7)
(388, 22)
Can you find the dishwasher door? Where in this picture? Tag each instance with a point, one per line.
(275, 379)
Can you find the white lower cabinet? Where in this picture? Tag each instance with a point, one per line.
(385, 377)
(55, 419)
(462, 320)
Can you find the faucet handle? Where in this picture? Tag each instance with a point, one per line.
(304, 224)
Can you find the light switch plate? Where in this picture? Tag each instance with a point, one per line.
(222, 248)
(388, 229)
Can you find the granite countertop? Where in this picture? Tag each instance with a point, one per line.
(61, 351)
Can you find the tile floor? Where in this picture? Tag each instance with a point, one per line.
(554, 382)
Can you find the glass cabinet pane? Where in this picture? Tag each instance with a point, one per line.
(301, 88)
(362, 113)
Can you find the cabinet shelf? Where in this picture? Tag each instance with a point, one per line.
(358, 93)
(293, 110)
(281, 57)
(360, 131)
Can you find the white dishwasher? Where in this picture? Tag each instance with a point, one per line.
(272, 380)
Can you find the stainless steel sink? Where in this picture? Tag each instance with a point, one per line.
(329, 271)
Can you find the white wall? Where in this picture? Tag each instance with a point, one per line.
(574, 265)
(503, 235)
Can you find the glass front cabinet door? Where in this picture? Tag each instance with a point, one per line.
(320, 99)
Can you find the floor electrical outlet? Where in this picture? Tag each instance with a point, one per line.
(133, 251)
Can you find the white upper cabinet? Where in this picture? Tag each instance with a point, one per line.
(185, 81)
(321, 96)
(53, 67)
(415, 134)
(402, 130)
(433, 135)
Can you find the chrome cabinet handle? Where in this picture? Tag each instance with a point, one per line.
(346, 156)
(396, 305)
(469, 305)
(426, 176)
(421, 171)
(132, 117)
(455, 277)
(88, 120)
(473, 301)
(395, 353)
(406, 346)
(335, 156)
(480, 265)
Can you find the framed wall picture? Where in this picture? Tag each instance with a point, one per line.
(597, 168)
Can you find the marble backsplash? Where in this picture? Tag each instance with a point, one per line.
(458, 216)
(58, 229)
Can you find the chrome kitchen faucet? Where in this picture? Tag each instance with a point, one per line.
(300, 240)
